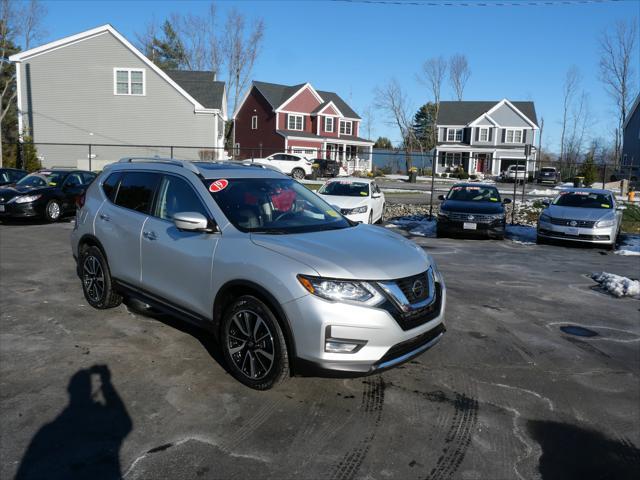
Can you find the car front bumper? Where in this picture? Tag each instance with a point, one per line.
(493, 229)
(21, 210)
(602, 235)
(386, 343)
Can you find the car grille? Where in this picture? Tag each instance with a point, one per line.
(406, 285)
(415, 318)
(551, 233)
(476, 217)
(569, 223)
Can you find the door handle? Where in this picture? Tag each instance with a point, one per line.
(149, 235)
(104, 217)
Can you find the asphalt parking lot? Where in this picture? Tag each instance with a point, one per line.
(505, 395)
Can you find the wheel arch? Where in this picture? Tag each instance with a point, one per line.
(89, 240)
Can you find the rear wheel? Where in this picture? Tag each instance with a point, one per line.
(97, 284)
(52, 211)
(381, 219)
(254, 346)
(371, 217)
(298, 174)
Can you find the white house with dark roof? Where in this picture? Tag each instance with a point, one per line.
(485, 136)
(97, 88)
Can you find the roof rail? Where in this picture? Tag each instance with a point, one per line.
(172, 161)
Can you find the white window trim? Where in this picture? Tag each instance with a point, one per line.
(290, 116)
(129, 70)
(345, 122)
(486, 129)
(455, 134)
(254, 122)
(236, 149)
(333, 124)
(513, 137)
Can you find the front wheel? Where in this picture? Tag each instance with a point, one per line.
(381, 219)
(298, 174)
(371, 217)
(52, 211)
(254, 346)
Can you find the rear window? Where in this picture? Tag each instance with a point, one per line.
(548, 170)
(136, 190)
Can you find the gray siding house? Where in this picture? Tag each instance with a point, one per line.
(484, 137)
(97, 88)
(630, 165)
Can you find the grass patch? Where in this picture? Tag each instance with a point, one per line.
(631, 219)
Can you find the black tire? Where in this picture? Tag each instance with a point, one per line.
(381, 219)
(541, 240)
(439, 233)
(247, 344)
(371, 217)
(53, 211)
(97, 284)
(298, 173)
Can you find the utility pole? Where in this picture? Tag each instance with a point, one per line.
(539, 152)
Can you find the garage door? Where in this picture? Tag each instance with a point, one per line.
(506, 162)
(310, 153)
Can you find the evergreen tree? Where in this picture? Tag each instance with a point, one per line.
(423, 126)
(9, 126)
(167, 52)
(589, 170)
(383, 142)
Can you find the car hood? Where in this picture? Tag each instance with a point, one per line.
(363, 252)
(342, 201)
(472, 207)
(9, 192)
(579, 213)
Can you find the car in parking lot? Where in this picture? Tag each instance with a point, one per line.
(298, 166)
(284, 280)
(359, 199)
(548, 175)
(327, 167)
(472, 209)
(11, 175)
(514, 173)
(48, 193)
(581, 215)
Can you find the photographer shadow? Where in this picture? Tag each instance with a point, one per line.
(84, 440)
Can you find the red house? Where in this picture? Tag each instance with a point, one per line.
(299, 119)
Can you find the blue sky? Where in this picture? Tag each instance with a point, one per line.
(518, 52)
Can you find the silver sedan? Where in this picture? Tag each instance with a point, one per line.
(581, 215)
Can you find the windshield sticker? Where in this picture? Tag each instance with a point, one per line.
(364, 194)
(332, 213)
(493, 199)
(218, 185)
(53, 184)
(605, 205)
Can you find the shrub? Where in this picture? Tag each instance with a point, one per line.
(473, 177)
(463, 175)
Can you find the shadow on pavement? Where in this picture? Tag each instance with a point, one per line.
(84, 441)
(570, 452)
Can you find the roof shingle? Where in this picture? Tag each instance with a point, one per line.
(464, 112)
(201, 86)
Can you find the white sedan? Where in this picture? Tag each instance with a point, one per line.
(298, 166)
(359, 199)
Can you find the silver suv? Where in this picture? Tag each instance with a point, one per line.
(285, 282)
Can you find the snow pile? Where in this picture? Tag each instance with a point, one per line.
(547, 192)
(415, 224)
(617, 285)
(563, 186)
(522, 234)
(629, 245)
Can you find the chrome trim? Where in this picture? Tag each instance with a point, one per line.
(412, 353)
(395, 293)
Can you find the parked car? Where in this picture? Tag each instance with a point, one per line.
(514, 173)
(49, 194)
(11, 175)
(358, 199)
(548, 175)
(298, 166)
(326, 167)
(581, 215)
(286, 282)
(472, 209)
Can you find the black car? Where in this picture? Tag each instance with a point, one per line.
(48, 194)
(548, 174)
(474, 209)
(326, 167)
(11, 175)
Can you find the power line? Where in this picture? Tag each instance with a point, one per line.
(483, 3)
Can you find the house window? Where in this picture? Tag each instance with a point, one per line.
(220, 127)
(236, 149)
(328, 124)
(484, 134)
(513, 136)
(454, 135)
(128, 81)
(345, 128)
(295, 122)
(254, 122)
(452, 159)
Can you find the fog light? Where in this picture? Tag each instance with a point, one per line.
(333, 346)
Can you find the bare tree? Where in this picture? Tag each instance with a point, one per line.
(459, 73)
(198, 34)
(17, 24)
(392, 100)
(432, 75)
(368, 118)
(569, 89)
(616, 72)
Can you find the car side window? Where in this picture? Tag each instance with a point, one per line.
(73, 180)
(175, 196)
(87, 177)
(110, 185)
(136, 190)
(277, 157)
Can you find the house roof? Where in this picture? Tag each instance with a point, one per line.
(201, 85)
(320, 138)
(276, 94)
(464, 112)
(632, 111)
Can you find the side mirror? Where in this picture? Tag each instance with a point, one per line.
(375, 195)
(192, 222)
(441, 197)
(545, 203)
(506, 200)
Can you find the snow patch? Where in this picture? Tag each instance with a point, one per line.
(629, 245)
(617, 285)
(415, 224)
(548, 191)
(522, 234)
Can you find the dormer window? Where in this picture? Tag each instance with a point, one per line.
(345, 127)
(328, 124)
(295, 122)
(454, 135)
(484, 135)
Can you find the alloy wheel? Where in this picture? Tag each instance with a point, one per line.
(250, 344)
(53, 209)
(93, 278)
(298, 174)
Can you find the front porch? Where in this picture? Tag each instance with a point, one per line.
(352, 157)
(473, 163)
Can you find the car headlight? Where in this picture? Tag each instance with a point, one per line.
(545, 218)
(605, 223)
(27, 198)
(362, 209)
(341, 290)
(443, 214)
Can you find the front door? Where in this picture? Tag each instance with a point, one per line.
(480, 165)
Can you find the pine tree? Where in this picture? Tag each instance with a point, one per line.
(383, 142)
(423, 126)
(168, 52)
(589, 170)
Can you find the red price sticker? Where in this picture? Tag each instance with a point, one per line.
(218, 185)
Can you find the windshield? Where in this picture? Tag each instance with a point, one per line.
(274, 205)
(42, 179)
(345, 189)
(584, 200)
(474, 194)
